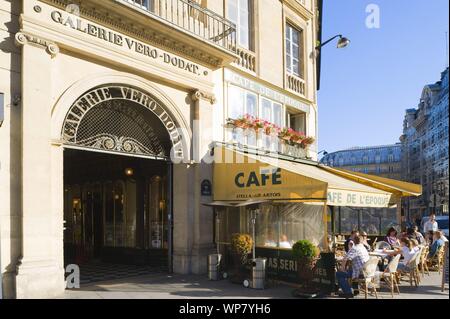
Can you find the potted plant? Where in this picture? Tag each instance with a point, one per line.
(307, 255)
(241, 246)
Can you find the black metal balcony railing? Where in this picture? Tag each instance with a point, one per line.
(189, 16)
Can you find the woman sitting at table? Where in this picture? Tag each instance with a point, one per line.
(364, 241)
(391, 237)
(406, 250)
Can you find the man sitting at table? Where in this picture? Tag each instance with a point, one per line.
(438, 242)
(358, 255)
(350, 241)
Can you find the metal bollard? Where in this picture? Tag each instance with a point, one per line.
(259, 273)
(214, 266)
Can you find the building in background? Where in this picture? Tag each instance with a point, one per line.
(425, 150)
(384, 160)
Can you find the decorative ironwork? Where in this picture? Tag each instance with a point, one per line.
(122, 119)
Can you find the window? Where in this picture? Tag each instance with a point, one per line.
(390, 158)
(296, 121)
(239, 12)
(271, 111)
(294, 49)
(241, 102)
(145, 4)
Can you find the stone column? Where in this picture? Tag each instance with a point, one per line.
(40, 272)
(203, 215)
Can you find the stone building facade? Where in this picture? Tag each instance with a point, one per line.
(383, 160)
(108, 115)
(425, 150)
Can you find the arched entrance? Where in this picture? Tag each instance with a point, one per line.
(119, 142)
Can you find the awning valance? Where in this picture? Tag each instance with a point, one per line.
(242, 176)
(399, 188)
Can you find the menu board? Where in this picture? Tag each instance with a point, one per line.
(445, 270)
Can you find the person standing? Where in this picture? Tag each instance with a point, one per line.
(430, 227)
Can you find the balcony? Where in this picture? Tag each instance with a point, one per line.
(247, 60)
(296, 84)
(182, 25)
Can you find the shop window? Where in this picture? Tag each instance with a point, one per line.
(370, 221)
(240, 13)
(349, 220)
(294, 49)
(276, 226)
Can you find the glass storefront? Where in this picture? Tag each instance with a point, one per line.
(277, 226)
(374, 221)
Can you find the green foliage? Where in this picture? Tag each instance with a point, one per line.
(242, 245)
(304, 249)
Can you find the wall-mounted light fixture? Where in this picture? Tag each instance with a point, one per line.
(129, 171)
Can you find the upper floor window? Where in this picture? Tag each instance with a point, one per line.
(145, 4)
(296, 120)
(240, 13)
(271, 111)
(294, 49)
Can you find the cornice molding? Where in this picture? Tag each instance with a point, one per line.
(299, 9)
(122, 24)
(23, 38)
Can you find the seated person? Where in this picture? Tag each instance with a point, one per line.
(358, 255)
(391, 237)
(413, 233)
(349, 242)
(407, 251)
(284, 243)
(436, 245)
(364, 241)
(270, 242)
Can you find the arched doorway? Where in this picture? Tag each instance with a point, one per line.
(118, 145)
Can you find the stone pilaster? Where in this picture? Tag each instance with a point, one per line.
(203, 215)
(40, 272)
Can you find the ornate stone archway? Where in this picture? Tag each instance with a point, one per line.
(123, 119)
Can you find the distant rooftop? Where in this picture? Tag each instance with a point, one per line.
(358, 148)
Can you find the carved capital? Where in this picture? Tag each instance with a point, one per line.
(23, 38)
(200, 95)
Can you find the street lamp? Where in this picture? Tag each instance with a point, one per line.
(342, 42)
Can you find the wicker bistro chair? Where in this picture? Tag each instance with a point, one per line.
(423, 261)
(382, 245)
(390, 274)
(412, 270)
(369, 272)
(437, 260)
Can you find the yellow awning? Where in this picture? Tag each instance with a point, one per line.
(399, 188)
(239, 176)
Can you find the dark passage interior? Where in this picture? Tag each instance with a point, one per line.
(115, 209)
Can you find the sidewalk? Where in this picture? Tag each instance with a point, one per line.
(161, 286)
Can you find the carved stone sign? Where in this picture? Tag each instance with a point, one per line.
(76, 23)
(101, 95)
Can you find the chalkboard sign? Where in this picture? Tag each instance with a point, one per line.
(445, 270)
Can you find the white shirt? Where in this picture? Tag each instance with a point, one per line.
(430, 226)
(285, 244)
(407, 254)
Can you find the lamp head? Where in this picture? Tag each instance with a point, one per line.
(343, 42)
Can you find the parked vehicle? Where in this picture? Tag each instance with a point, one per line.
(442, 223)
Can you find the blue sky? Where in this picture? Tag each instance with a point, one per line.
(366, 87)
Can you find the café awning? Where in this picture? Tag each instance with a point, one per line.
(242, 176)
(400, 188)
